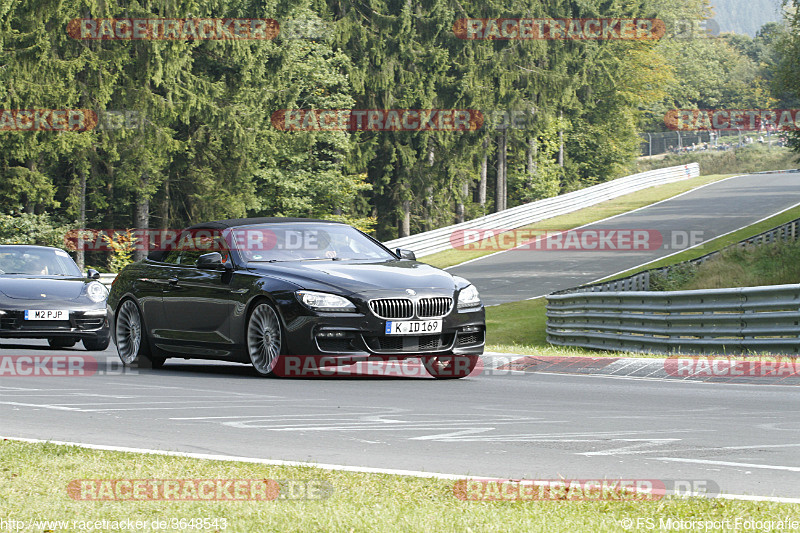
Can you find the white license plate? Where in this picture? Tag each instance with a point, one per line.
(414, 327)
(47, 315)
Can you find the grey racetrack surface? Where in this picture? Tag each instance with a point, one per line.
(513, 425)
(712, 210)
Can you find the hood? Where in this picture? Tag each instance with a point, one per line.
(32, 288)
(359, 276)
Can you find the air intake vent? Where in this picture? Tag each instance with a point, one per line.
(434, 307)
(392, 308)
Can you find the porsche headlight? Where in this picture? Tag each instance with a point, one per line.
(322, 301)
(469, 298)
(96, 291)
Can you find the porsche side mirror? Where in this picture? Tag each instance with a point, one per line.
(211, 261)
(405, 254)
(92, 274)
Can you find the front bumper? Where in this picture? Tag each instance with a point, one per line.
(86, 324)
(347, 337)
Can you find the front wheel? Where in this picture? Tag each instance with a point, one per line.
(96, 345)
(264, 339)
(451, 366)
(61, 342)
(132, 345)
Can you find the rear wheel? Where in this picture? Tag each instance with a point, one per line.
(264, 339)
(132, 346)
(451, 366)
(62, 342)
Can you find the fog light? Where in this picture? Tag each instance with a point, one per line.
(334, 334)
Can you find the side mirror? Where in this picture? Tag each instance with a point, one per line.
(405, 254)
(92, 274)
(211, 261)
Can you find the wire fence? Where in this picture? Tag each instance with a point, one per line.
(698, 141)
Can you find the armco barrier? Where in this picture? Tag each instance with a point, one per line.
(748, 320)
(622, 315)
(438, 240)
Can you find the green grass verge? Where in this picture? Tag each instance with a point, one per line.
(35, 479)
(601, 211)
(769, 264)
(519, 327)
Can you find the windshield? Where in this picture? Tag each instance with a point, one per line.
(30, 261)
(305, 242)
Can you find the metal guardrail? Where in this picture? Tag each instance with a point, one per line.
(441, 239)
(719, 321)
(623, 315)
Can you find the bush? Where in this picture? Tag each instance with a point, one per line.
(121, 245)
(675, 279)
(28, 228)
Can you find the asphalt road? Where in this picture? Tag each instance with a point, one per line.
(542, 426)
(704, 214)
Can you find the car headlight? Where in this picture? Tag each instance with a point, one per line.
(469, 298)
(322, 301)
(96, 291)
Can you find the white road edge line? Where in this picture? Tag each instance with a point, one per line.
(729, 463)
(322, 466)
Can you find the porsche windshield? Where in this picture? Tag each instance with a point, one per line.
(30, 261)
(305, 242)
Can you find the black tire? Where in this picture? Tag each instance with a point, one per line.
(265, 340)
(62, 342)
(97, 344)
(132, 344)
(451, 366)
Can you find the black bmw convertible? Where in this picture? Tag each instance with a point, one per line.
(291, 294)
(44, 295)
